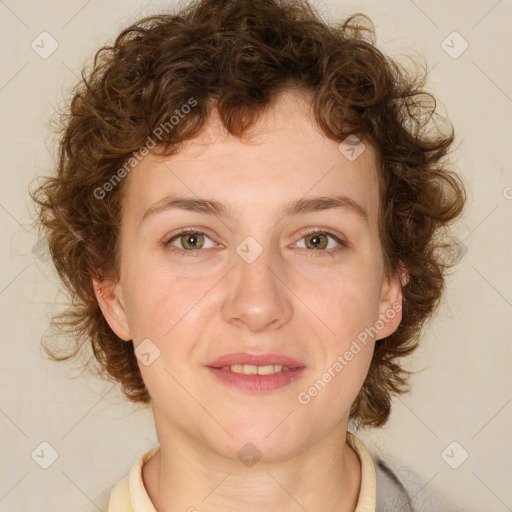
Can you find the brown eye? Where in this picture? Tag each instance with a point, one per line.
(188, 241)
(316, 241)
(192, 240)
(319, 241)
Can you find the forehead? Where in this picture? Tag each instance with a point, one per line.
(284, 158)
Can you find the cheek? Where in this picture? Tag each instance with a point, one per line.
(165, 305)
(152, 300)
(168, 310)
(330, 392)
(350, 304)
(346, 354)
(345, 307)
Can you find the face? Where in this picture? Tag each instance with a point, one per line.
(257, 277)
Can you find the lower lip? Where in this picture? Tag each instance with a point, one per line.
(257, 383)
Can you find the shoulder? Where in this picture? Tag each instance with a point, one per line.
(120, 497)
(400, 488)
(130, 494)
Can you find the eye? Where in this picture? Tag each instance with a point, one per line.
(189, 239)
(318, 240)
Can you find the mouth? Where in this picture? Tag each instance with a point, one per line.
(237, 361)
(251, 369)
(256, 373)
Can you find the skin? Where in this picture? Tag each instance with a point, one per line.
(293, 300)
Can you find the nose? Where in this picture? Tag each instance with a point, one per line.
(257, 296)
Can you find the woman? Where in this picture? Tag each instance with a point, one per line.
(245, 210)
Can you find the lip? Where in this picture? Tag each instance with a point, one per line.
(257, 383)
(255, 359)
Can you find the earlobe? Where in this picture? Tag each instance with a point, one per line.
(109, 296)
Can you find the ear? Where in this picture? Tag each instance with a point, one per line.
(110, 299)
(390, 306)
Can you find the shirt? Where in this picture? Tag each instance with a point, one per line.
(129, 494)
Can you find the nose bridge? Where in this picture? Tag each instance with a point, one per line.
(257, 296)
(253, 264)
(255, 260)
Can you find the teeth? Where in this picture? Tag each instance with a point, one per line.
(250, 369)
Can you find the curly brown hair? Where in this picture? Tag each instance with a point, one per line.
(236, 56)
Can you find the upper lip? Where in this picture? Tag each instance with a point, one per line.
(255, 359)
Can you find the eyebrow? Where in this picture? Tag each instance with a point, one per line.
(300, 206)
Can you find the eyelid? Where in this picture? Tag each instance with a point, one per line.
(324, 230)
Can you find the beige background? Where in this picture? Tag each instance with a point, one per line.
(463, 392)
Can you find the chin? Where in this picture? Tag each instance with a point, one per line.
(268, 438)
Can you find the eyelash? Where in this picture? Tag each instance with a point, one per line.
(317, 231)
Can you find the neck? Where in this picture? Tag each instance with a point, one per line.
(184, 475)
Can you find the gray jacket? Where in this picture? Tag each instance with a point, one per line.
(401, 490)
